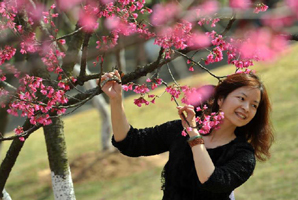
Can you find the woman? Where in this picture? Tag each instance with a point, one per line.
(202, 167)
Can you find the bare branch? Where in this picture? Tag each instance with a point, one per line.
(229, 26)
(200, 65)
(11, 87)
(70, 34)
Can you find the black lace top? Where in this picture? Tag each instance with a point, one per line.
(234, 162)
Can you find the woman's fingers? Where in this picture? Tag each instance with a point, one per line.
(111, 76)
(187, 113)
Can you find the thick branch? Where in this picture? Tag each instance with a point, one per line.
(84, 55)
(139, 72)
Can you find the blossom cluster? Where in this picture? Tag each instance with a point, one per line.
(7, 16)
(6, 53)
(19, 131)
(143, 89)
(29, 104)
(120, 18)
(209, 122)
(206, 122)
(197, 95)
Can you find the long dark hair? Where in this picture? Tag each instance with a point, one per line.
(259, 131)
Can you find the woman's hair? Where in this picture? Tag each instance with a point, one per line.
(258, 131)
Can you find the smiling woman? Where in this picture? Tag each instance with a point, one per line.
(207, 166)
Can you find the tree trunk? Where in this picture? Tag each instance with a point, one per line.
(103, 108)
(56, 147)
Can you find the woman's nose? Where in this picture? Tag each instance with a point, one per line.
(245, 107)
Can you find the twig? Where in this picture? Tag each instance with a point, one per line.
(229, 26)
(101, 71)
(171, 74)
(70, 34)
(24, 134)
(200, 65)
(177, 104)
(8, 85)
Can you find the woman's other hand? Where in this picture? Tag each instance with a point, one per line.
(189, 115)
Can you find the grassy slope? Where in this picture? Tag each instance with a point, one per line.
(275, 179)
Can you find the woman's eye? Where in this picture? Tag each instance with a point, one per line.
(255, 106)
(241, 98)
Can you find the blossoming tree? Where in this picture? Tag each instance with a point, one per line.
(41, 40)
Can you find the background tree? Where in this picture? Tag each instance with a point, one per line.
(41, 42)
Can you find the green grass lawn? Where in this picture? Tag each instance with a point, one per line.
(274, 179)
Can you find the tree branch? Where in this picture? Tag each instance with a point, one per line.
(229, 26)
(70, 34)
(200, 65)
(84, 55)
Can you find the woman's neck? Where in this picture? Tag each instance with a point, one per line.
(222, 135)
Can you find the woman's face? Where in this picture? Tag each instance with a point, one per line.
(240, 106)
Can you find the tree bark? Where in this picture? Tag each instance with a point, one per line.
(56, 147)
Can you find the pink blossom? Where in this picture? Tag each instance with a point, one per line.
(107, 1)
(198, 40)
(153, 86)
(263, 44)
(153, 101)
(293, 5)
(191, 68)
(260, 8)
(53, 6)
(112, 22)
(61, 111)
(140, 101)
(164, 13)
(148, 80)
(35, 13)
(240, 4)
(276, 21)
(135, 15)
(22, 139)
(209, 7)
(183, 133)
(127, 87)
(6, 54)
(62, 41)
(174, 92)
(88, 21)
(195, 96)
(19, 130)
(141, 89)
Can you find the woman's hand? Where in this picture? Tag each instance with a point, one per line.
(111, 87)
(190, 116)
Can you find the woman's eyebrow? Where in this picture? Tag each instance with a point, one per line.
(244, 94)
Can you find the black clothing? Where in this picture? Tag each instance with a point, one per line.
(234, 162)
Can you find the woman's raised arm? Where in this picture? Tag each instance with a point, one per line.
(113, 90)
